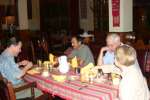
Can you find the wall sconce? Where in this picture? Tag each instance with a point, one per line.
(9, 20)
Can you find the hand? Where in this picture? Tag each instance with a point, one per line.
(25, 69)
(55, 60)
(101, 54)
(29, 65)
(80, 61)
(103, 49)
(55, 63)
(23, 63)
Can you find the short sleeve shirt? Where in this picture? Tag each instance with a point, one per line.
(9, 69)
(83, 53)
(108, 58)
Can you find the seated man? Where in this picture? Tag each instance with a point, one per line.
(81, 51)
(8, 67)
(113, 41)
(133, 85)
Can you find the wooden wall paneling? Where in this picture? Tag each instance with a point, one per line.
(73, 16)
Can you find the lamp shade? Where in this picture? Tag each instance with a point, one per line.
(9, 19)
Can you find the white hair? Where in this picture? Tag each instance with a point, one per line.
(113, 37)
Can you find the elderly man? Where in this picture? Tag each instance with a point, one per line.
(113, 41)
(133, 85)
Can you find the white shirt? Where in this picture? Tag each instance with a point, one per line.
(133, 85)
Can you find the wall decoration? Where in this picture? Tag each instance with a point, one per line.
(116, 13)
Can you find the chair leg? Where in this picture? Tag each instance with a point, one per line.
(32, 93)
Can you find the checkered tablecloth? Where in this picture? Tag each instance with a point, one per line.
(75, 90)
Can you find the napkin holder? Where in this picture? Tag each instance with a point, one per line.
(63, 64)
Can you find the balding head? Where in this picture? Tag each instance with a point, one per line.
(113, 37)
(113, 41)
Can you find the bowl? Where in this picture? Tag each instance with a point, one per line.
(59, 78)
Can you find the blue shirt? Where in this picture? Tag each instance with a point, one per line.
(108, 58)
(9, 69)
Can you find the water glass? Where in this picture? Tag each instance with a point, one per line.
(77, 70)
(39, 63)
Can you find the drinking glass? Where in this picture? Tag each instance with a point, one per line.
(39, 63)
(77, 70)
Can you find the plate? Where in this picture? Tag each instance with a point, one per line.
(100, 80)
(73, 77)
(59, 78)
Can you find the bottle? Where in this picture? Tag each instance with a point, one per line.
(100, 72)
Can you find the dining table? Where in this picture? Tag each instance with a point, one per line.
(74, 89)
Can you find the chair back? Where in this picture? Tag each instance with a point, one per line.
(39, 49)
(6, 89)
(33, 51)
(139, 44)
(143, 56)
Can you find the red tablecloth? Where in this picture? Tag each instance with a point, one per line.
(75, 90)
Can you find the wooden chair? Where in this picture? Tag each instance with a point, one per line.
(39, 50)
(33, 52)
(139, 44)
(7, 92)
